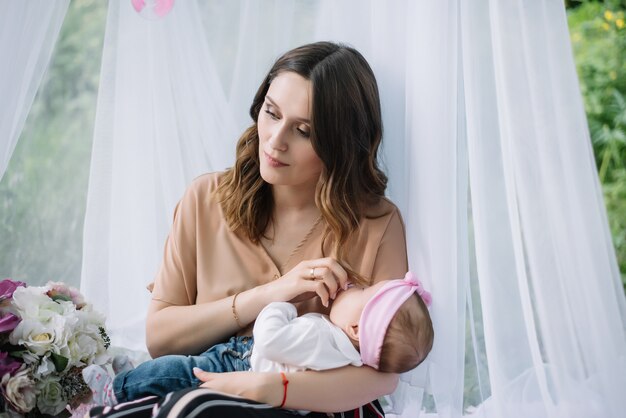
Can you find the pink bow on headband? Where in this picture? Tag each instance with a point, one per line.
(419, 288)
(379, 311)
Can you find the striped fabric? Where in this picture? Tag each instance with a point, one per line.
(200, 402)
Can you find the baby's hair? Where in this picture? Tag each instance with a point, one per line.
(409, 337)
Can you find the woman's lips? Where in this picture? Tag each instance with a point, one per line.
(273, 162)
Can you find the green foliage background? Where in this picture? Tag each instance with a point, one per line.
(598, 34)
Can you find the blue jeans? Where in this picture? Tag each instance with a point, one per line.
(171, 373)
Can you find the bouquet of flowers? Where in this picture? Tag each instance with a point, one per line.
(48, 334)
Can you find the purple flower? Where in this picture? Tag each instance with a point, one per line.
(7, 287)
(8, 364)
(8, 322)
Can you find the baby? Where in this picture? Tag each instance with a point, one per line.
(388, 323)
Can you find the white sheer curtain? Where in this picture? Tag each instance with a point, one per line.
(162, 119)
(28, 33)
(488, 156)
(552, 304)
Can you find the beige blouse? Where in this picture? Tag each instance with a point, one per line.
(205, 261)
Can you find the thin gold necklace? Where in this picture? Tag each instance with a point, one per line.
(300, 244)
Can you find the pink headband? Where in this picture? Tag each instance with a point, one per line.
(379, 311)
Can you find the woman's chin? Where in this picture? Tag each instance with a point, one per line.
(272, 176)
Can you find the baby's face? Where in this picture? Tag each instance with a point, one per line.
(348, 305)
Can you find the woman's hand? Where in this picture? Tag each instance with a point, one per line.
(322, 277)
(261, 387)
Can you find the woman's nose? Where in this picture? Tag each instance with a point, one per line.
(278, 139)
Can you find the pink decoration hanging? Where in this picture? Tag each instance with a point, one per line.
(152, 9)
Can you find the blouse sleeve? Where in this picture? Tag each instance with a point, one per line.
(391, 257)
(175, 282)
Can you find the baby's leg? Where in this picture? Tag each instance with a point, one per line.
(235, 355)
(170, 373)
(101, 385)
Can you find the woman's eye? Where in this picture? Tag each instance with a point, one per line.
(271, 114)
(303, 133)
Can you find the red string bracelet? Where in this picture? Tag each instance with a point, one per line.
(285, 383)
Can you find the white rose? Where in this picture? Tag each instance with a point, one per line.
(43, 338)
(90, 322)
(90, 316)
(33, 303)
(50, 399)
(83, 349)
(67, 308)
(102, 356)
(33, 335)
(64, 328)
(19, 391)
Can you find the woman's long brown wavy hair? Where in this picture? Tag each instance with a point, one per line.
(346, 130)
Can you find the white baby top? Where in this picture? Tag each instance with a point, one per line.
(284, 341)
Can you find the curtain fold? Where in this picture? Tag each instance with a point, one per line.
(436, 185)
(489, 159)
(28, 33)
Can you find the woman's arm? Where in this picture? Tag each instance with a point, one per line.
(333, 390)
(191, 329)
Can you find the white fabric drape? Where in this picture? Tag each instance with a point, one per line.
(488, 156)
(552, 304)
(161, 120)
(28, 33)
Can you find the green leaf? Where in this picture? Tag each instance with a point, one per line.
(17, 353)
(60, 362)
(62, 298)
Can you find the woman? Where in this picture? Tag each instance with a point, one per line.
(300, 215)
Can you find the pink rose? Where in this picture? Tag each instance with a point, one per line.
(65, 292)
(19, 391)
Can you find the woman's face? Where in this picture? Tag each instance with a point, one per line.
(285, 151)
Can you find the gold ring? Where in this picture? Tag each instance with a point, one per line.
(313, 273)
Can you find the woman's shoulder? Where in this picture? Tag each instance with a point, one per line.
(378, 248)
(203, 187)
(383, 208)
(206, 182)
(379, 219)
(199, 194)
